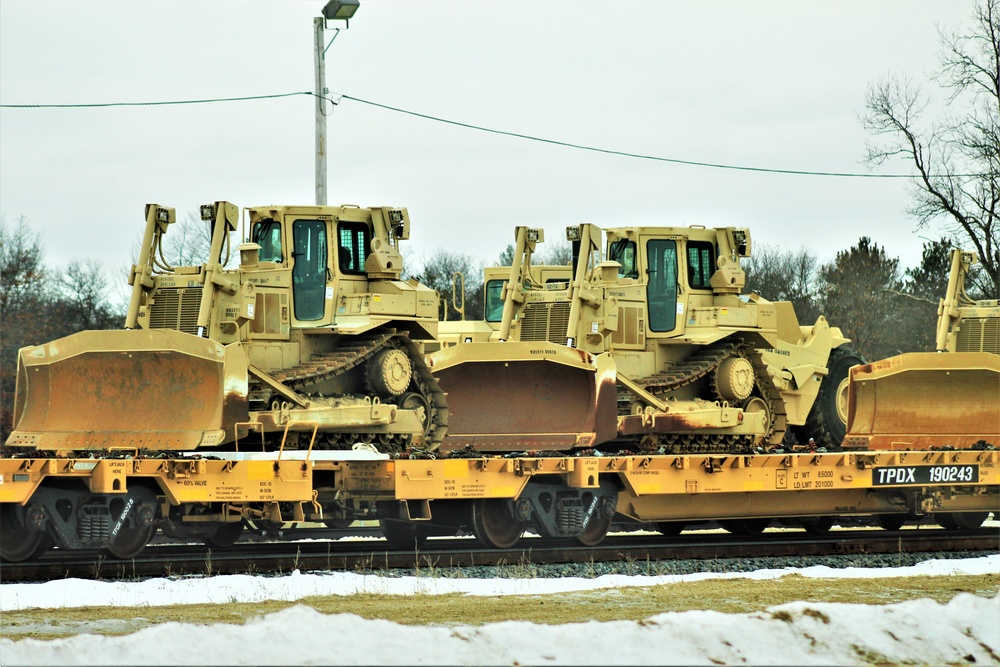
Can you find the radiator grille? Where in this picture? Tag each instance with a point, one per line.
(545, 321)
(176, 309)
(979, 335)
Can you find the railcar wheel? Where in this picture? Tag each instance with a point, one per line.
(130, 542)
(339, 524)
(817, 525)
(891, 521)
(670, 528)
(225, 536)
(135, 514)
(594, 534)
(266, 525)
(745, 526)
(404, 535)
(960, 520)
(494, 524)
(17, 542)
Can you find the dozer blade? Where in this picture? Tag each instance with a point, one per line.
(924, 400)
(521, 396)
(157, 389)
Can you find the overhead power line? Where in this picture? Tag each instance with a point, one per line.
(150, 104)
(480, 128)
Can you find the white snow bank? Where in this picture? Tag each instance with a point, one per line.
(249, 588)
(964, 630)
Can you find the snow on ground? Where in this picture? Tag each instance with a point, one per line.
(255, 588)
(965, 630)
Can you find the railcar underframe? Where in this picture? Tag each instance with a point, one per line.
(123, 498)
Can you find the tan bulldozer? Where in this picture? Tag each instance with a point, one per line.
(650, 327)
(949, 398)
(311, 338)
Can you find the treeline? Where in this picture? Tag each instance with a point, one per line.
(884, 308)
(39, 304)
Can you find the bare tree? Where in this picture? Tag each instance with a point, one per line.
(188, 241)
(438, 272)
(957, 156)
(781, 275)
(84, 298)
(556, 253)
(22, 271)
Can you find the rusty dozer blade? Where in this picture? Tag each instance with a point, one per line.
(518, 396)
(924, 400)
(157, 389)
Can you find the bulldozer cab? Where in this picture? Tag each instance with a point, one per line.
(541, 276)
(680, 267)
(646, 288)
(338, 261)
(300, 267)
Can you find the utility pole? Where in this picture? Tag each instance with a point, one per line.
(334, 10)
(321, 91)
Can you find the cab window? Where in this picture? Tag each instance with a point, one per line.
(494, 300)
(701, 264)
(267, 234)
(355, 241)
(623, 252)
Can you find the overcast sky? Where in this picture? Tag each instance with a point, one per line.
(757, 83)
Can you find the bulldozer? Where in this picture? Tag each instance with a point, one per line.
(306, 336)
(645, 334)
(946, 399)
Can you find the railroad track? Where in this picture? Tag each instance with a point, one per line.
(372, 555)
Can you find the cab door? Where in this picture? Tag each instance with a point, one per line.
(661, 285)
(309, 269)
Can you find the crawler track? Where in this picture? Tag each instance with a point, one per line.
(699, 366)
(355, 351)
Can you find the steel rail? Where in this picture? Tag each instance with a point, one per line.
(374, 555)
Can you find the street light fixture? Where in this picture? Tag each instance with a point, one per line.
(340, 10)
(334, 10)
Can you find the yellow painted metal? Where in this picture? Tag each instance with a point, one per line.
(151, 389)
(655, 475)
(483, 478)
(925, 399)
(653, 488)
(528, 396)
(179, 480)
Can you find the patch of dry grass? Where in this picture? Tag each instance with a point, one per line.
(730, 596)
